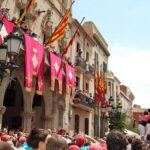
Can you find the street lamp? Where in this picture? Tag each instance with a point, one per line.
(8, 52)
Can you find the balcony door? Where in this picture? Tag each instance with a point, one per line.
(76, 123)
(86, 126)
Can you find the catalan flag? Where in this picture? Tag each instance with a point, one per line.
(29, 5)
(60, 29)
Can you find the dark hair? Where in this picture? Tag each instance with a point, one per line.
(148, 110)
(145, 113)
(36, 136)
(5, 146)
(148, 137)
(116, 140)
(136, 144)
(56, 142)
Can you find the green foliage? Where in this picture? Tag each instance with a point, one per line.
(132, 127)
(117, 120)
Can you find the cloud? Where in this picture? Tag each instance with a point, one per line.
(131, 67)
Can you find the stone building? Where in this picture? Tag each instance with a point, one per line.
(19, 108)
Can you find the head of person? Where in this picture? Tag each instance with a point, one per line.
(148, 110)
(116, 140)
(148, 138)
(73, 147)
(56, 142)
(137, 144)
(145, 113)
(95, 146)
(37, 139)
(5, 146)
(80, 140)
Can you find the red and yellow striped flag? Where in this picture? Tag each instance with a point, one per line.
(70, 43)
(29, 5)
(60, 30)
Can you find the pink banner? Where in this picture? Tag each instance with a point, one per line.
(70, 79)
(34, 63)
(56, 71)
(6, 29)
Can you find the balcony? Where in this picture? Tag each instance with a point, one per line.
(80, 64)
(89, 71)
(84, 100)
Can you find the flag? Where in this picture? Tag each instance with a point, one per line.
(34, 63)
(60, 29)
(70, 43)
(98, 93)
(56, 71)
(29, 5)
(70, 79)
(7, 28)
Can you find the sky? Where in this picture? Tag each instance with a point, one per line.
(125, 25)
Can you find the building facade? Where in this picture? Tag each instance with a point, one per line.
(32, 110)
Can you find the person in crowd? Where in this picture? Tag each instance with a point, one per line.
(5, 146)
(148, 142)
(148, 124)
(129, 143)
(73, 147)
(56, 142)
(137, 145)
(36, 140)
(116, 141)
(142, 125)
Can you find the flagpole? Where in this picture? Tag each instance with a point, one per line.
(73, 35)
(60, 22)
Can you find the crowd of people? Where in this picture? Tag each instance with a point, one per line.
(42, 139)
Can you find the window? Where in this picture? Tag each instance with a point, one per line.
(87, 56)
(104, 67)
(77, 82)
(76, 127)
(87, 87)
(78, 47)
(86, 126)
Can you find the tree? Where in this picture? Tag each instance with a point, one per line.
(117, 121)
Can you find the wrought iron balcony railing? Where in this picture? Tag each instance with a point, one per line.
(84, 100)
(80, 63)
(89, 70)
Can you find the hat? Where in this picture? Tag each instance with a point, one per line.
(95, 146)
(22, 139)
(80, 140)
(73, 147)
(4, 138)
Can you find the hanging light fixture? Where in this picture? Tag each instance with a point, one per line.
(8, 53)
(13, 43)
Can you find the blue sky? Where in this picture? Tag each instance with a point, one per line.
(125, 25)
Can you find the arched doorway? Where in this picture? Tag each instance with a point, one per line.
(38, 108)
(13, 101)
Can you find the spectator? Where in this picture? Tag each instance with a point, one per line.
(116, 141)
(137, 145)
(56, 143)
(5, 146)
(37, 139)
(73, 147)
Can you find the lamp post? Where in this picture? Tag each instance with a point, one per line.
(8, 52)
(111, 112)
